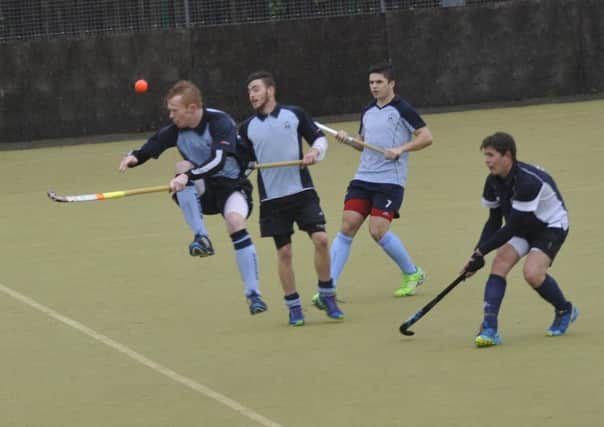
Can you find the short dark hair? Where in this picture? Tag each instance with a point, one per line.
(384, 68)
(502, 142)
(266, 77)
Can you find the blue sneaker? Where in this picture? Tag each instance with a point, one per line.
(296, 317)
(562, 321)
(256, 304)
(328, 304)
(487, 337)
(201, 246)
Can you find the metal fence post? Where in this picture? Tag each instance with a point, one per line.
(187, 14)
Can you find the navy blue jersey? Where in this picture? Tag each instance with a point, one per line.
(277, 137)
(528, 199)
(211, 146)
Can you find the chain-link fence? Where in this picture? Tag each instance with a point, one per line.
(35, 19)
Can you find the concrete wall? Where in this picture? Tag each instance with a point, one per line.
(450, 56)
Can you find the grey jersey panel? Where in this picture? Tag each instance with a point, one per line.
(277, 139)
(197, 148)
(387, 127)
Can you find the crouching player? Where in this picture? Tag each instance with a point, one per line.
(536, 225)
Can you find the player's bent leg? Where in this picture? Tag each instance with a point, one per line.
(412, 275)
(189, 204)
(535, 273)
(505, 259)
(351, 222)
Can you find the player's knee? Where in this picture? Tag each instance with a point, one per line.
(285, 254)
(377, 234)
(321, 241)
(377, 230)
(534, 275)
(351, 224)
(348, 229)
(503, 263)
(234, 221)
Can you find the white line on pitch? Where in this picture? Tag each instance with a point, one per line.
(200, 388)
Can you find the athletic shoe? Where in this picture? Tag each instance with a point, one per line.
(410, 282)
(562, 320)
(316, 301)
(256, 304)
(328, 304)
(296, 317)
(487, 337)
(201, 246)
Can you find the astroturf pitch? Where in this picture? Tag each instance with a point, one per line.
(106, 320)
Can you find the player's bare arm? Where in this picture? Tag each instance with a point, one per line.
(422, 138)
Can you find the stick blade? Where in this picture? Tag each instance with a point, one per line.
(56, 198)
(403, 330)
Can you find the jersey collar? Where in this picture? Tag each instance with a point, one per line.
(274, 113)
(394, 100)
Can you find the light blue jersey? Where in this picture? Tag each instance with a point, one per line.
(277, 137)
(387, 127)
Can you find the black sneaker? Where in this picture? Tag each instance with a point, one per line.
(201, 246)
(256, 304)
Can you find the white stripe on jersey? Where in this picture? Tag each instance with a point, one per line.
(490, 203)
(210, 165)
(546, 207)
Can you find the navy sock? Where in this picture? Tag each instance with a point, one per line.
(292, 300)
(326, 288)
(550, 291)
(494, 291)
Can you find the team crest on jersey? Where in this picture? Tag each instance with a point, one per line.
(391, 118)
(286, 125)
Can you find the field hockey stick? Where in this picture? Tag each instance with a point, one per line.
(136, 191)
(276, 164)
(350, 140)
(109, 195)
(404, 328)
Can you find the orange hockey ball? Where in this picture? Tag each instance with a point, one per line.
(141, 86)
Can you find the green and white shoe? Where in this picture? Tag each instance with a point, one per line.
(410, 282)
(316, 301)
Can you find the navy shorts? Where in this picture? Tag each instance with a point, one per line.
(277, 216)
(549, 241)
(376, 198)
(219, 189)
